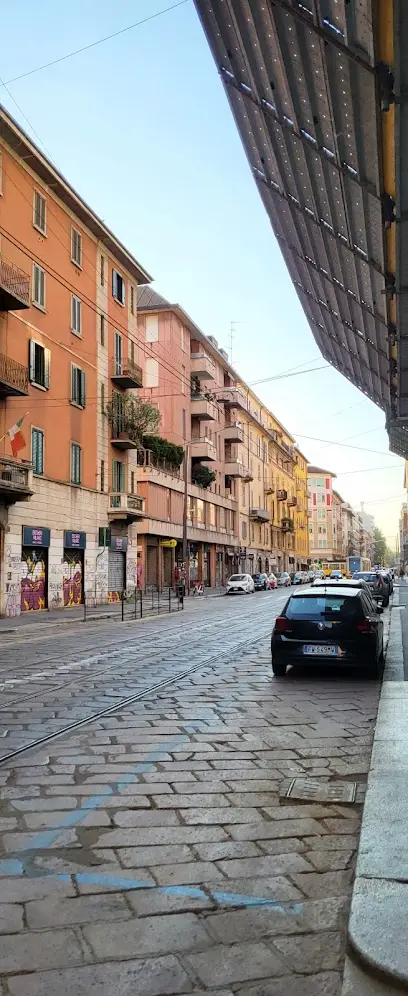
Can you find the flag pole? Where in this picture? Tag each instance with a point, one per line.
(19, 420)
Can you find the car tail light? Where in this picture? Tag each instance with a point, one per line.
(282, 624)
(364, 626)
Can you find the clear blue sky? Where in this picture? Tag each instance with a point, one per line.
(142, 128)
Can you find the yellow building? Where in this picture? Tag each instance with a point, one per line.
(301, 512)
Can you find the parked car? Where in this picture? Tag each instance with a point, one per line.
(240, 583)
(305, 577)
(311, 575)
(297, 578)
(389, 579)
(273, 581)
(260, 581)
(329, 627)
(336, 575)
(348, 583)
(284, 579)
(377, 583)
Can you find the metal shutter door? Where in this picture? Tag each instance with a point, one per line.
(116, 571)
(151, 565)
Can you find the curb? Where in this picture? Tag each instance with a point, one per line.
(377, 924)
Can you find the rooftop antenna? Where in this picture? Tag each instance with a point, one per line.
(232, 336)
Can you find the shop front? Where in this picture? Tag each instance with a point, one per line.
(117, 567)
(73, 568)
(34, 568)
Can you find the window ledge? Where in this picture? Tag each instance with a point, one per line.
(41, 307)
(41, 230)
(40, 387)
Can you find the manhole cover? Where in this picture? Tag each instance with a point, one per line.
(312, 789)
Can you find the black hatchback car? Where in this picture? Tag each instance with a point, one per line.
(338, 626)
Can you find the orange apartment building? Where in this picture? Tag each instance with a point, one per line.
(68, 338)
(185, 378)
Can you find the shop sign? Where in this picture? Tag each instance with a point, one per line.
(119, 543)
(74, 540)
(36, 536)
(169, 543)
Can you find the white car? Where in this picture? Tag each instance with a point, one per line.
(240, 583)
(284, 580)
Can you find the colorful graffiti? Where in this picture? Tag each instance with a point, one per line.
(72, 581)
(33, 579)
(114, 596)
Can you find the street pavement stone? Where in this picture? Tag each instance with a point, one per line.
(188, 788)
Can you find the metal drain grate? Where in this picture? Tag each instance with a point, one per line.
(314, 790)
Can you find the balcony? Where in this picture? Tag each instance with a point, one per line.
(235, 468)
(203, 408)
(282, 495)
(14, 287)
(292, 501)
(13, 378)
(203, 449)
(233, 397)
(125, 506)
(127, 374)
(121, 438)
(259, 514)
(287, 526)
(234, 433)
(16, 481)
(202, 366)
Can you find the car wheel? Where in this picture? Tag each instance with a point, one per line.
(278, 669)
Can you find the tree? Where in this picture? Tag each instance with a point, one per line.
(380, 546)
(133, 415)
(202, 476)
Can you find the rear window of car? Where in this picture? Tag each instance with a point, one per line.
(255, 576)
(237, 577)
(316, 606)
(365, 576)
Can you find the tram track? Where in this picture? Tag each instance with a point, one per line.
(128, 700)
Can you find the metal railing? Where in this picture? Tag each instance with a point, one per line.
(134, 604)
(14, 474)
(14, 281)
(13, 374)
(128, 368)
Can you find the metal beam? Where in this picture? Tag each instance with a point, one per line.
(323, 33)
(263, 107)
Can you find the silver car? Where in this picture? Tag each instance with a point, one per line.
(239, 584)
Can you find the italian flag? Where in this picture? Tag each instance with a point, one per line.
(16, 437)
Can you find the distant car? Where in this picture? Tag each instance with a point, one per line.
(297, 578)
(329, 627)
(240, 584)
(284, 579)
(336, 575)
(305, 576)
(273, 581)
(260, 581)
(346, 582)
(377, 583)
(311, 575)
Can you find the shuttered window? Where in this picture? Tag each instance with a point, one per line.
(75, 463)
(39, 364)
(76, 247)
(40, 212)
(37, 450)
(118, 354)
(118, 476)
(38, 289)
(76, 315)
(118, 287)
(78, 387)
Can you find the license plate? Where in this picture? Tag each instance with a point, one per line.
(315, 650)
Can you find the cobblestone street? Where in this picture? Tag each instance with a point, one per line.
(155, 850)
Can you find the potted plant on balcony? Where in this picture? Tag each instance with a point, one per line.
(132, 416)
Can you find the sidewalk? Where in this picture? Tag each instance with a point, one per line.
(65, 616)
(377, 925)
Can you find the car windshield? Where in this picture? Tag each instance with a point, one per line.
(237, 577)
(316, 606)
(365, 576)
(255, 577)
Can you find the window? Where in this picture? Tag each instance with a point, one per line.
(152, 328)
(118, 287)
(102, 475)
(132, 300)
(118, 476)
(39, 213)
(38, 294)
(118, 346)
(244, 529)
(78, 387)
(102, 330)
(132, 482)
(37, 450)
(75, 463)
(1, 172)
(76, 315)
(183, 379)
(39, 364)
(152, 373)
(102, 271)
(103, 398)
(76, 247)
(132, 351)
(183, 423)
